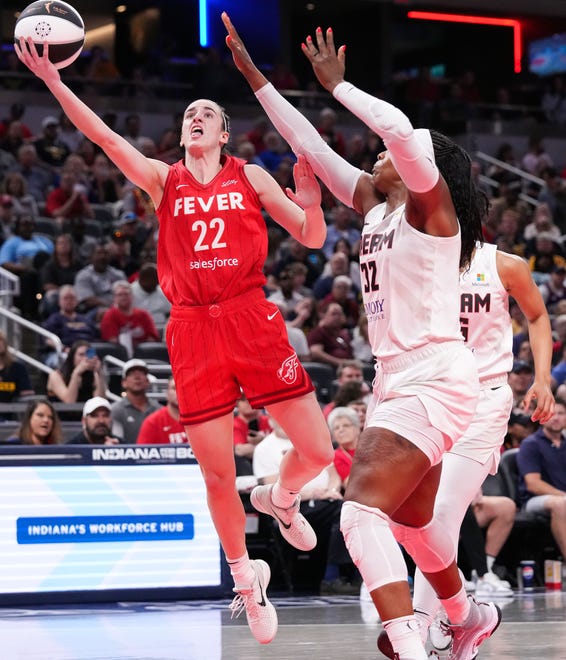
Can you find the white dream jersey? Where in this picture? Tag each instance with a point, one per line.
(409, 284)
(484, 315)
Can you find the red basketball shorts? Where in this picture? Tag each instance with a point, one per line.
(219, 350)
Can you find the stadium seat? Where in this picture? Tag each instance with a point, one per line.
(152, 350)
(322, 376)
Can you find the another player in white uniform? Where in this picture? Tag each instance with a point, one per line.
(423, 216)
(493, 276)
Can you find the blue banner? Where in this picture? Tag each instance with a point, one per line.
(105, 529)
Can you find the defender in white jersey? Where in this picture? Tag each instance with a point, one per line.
(493, 276)
(423, 216)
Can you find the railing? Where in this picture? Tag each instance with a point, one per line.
(524, 176)
(19, 323)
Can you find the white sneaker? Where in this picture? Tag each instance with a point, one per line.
(481, 623)
(293, 525)
(439, 632)
(490, 586)
(368, 611)
(469, 585)
(260, 613)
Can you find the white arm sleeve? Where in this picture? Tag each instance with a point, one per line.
(339, 176)
(412, 157)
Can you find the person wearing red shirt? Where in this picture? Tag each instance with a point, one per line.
(163, 427)
(124, 323)
(68, 200)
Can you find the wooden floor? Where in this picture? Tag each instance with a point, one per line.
(333, 628)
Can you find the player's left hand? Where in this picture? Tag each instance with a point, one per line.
(542, 394)
(307, 190)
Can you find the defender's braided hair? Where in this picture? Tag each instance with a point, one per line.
(471, 204)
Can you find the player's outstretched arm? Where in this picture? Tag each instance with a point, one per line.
(339, 176)
(146, 173)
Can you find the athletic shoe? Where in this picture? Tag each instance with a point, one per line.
(490, 586)
(260, 613)
(292, 524)
(481, 623)
(439, 632)
(368, 611)
(384, 644)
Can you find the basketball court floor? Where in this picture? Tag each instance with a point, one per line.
(330, 628)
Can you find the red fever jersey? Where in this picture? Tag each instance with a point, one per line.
(212, 237)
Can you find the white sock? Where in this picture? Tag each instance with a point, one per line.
(490, 562)
(282, 497)
(457, 607)
(241, 571)
(404, 635)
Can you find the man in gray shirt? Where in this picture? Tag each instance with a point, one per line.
(129, 413)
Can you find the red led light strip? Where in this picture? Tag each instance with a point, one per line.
(479, 20)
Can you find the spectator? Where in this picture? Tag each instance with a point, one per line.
(554, 195)
(541, 221)
(83, 243)
(341, 226)
(339, 265)
(348, 371)
(321, 503)
(286, 294)
(147, 295)
(51, 150)
(61, 268)
(125, 324)
(547, 255)
(68, 200)
(120, 253)
(17, 111)
(79, 378)
(97, 424)
(93, 283)
(104, 182)
(23, 202)
(360, 341)
(518, 428)
(40, 425)
(554, 289)
(132, 131)
(330, 341)
(342, 293)
(14, 378)
(250, 428)
(68, 324)
(7, 217)
(257, 133)
(24, 254)
(39, 179)
(536, 159)
(520, 378)
(163, 427)
(129, 413)
(69, 134)
(351, 390)
(292, 251)
(344, 425)
(327, 127)
(138, 234)
(542, 465)
(496, 516)
(342, 245)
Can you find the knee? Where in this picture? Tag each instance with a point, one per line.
(557, 506)
(430, 546)
(508, 509)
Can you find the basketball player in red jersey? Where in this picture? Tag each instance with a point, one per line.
(223, 336)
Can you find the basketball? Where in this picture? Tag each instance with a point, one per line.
(55, 23)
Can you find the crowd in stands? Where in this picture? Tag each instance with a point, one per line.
(82, 241)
